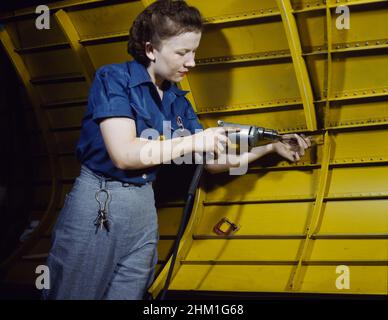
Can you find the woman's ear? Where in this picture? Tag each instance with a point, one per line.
(149, 51)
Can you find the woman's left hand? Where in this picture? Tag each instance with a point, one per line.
(292, 146)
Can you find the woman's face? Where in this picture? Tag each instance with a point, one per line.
(175, 56)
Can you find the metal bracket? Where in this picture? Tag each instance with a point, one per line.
(232, 227)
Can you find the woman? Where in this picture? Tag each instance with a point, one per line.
(104, 243)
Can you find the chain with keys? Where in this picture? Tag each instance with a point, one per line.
(102, 218)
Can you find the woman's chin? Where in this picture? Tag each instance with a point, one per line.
(176, 78)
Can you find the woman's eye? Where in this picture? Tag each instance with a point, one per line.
(181, 53)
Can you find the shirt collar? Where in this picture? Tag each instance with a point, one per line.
(139, 75)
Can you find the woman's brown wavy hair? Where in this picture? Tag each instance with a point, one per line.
(159, 21)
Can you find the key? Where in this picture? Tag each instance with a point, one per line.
(102, 221)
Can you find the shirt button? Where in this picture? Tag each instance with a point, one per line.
(144, 176)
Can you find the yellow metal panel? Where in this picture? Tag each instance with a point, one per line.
(66, 117)
(232, 278)
(106, 53)
(107, 19)
(264, 185)
(317, 68)
(364, 181)
(371, 279)
(233, 85)
(361, 217)
(232, 40)
(169, 220)
(243, 250)
(227, 8)
(359, 73)
(312, 34)
(258, 219)
(46, 63)
(363, 144)
(63, 91)
(164, 247)
(366, 25)
(353, 249)
(30, 36)
(357, 113)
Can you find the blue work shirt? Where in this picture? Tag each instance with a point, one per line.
(126, 90)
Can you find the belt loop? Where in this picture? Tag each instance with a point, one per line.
(102, 183)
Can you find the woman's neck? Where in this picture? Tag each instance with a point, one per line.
(157, 81)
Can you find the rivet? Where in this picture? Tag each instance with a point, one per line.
(337, 47)
(377, 42)
(357, 44)
(366, 43)
(347, 46)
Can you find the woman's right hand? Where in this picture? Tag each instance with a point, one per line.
(212, 140)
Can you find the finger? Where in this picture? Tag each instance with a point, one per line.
(231, 129)
(220, 147)
(287, 136)
(306, 140)
(229, 142)
(221, 138)
(301, 142)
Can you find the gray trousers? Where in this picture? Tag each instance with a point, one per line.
(86, 262)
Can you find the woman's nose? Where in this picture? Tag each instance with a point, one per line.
(190, 62)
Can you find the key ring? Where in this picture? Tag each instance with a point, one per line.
(103, 204)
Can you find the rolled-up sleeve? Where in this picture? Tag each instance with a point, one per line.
(109, 95)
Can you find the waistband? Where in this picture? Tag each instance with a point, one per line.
(103, 181)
